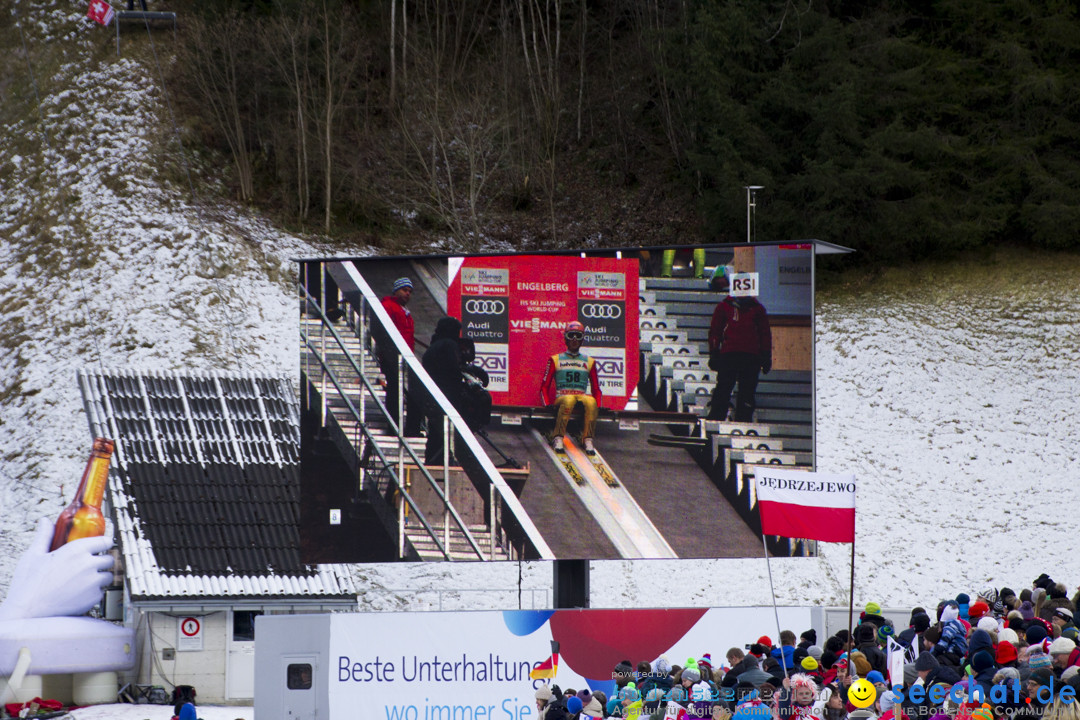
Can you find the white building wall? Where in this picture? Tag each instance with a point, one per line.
(204, 670)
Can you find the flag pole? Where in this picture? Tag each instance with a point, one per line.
(851, 600)
(776, 613)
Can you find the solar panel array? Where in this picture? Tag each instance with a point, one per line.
(205, 478)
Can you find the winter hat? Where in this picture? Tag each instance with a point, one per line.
(951, 611)
(920, 622)
(1062, 646)
(990, 595)
(1006, 652)
(933, 634)
(447, 327)
(872, 608)
(875, 677)
(1043, 676)
(962, 601)
(884, 633)
(1009, 635)
(977, 609)
(809, 663)
(925, 661)
(662, 665)
(764, 640)
(982, 660)
(1025, 594)
(1027, 610)
(815, 652)
(866, 632)
(887, 700)
(1007, 595)
(691, 671)
(1039, 660)
(1058, 591)
(1007, 673)
(544, 693)
(584, 696)
(614, 705)
(1035, 634)
(827, 659)
(187, 712)
(810, 636)
(1071, 632)
(1064, 613)
(402, 282)
(1069, 673)
(574, 705)
(982, 713)
(1042, 581)
(987, 623)
(862, 665)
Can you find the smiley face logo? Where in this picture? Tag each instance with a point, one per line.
(862, 693)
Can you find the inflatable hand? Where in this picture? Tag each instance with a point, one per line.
(67, 581)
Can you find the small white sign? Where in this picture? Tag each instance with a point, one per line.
(335, 516)
(511, 419)
(744, 285)
(628, 424)
(189, 636)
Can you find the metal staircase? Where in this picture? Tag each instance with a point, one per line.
(473, 516)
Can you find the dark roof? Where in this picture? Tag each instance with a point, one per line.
(205, 484)
(219, 518)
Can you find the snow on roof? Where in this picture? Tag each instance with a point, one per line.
(205, 484)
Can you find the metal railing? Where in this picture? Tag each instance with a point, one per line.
(508, 524)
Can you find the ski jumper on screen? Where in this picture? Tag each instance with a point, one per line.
(570, 378)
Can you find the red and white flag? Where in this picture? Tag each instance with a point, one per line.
(100, 11)
(803, 504)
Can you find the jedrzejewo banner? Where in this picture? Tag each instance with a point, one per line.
(475, 665)
(515, 309)
(804, 504)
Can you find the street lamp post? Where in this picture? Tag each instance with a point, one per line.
(751, 204)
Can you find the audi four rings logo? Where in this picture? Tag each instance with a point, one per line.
(594, 310)
(485, 307)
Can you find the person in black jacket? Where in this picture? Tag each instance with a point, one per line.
(443, 363)
(866, 636)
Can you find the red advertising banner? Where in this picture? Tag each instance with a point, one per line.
(515, 309)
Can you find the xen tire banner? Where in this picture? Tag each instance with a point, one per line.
(515, 308)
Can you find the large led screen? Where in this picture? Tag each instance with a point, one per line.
(607, 404)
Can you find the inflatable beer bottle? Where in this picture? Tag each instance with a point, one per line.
(83, 517)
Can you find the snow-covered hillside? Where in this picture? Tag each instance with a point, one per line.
(952, 405)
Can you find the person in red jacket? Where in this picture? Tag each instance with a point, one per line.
(740, 346)
(395, 306)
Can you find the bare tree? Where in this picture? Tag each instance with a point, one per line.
(291, 63)
(220, 76)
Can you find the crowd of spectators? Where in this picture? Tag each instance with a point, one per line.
(994, 656)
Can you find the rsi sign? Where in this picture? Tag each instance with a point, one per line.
(744, 285)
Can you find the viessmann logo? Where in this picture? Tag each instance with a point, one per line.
(601, 311)
(485, 307)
